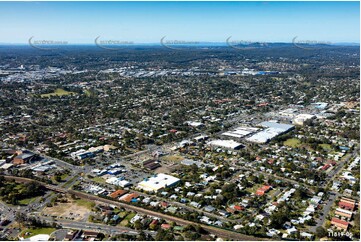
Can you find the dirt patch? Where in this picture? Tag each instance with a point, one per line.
(162, 169)
(70, 210)
(172, 158)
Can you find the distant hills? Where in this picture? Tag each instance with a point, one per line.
(213, 44)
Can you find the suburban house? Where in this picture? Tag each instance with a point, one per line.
(261, 191)
(117, 193)
(340, 224)
(343, 213)
(348, 204)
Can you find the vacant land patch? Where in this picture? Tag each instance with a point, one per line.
(98, 179)
(27, 201)
(126, 220)
(88, 93)
(85, 203)
(294, 143)
(75, 209)
(57, 92)
(173, 158)
(326, 147)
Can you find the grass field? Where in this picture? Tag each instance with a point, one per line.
(85, 203)
(253, 189)
(64, 176)
(294, 143)
(272, 192)
(57, 92)
(36, 231)
(87, 93)
(98, 179)
(27, 201)
(126, 220)
(123, 214)
(326, 147)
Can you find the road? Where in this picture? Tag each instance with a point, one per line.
(326, 209)
(333, 195)
(214, 230)
(340, 166)
(7, 213)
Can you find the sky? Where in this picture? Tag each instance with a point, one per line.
(148, 22)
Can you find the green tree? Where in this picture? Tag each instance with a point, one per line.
(320, 232)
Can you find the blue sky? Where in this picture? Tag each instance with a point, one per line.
(148, 22)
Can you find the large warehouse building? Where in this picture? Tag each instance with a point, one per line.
(158, 182)
(240, 132)
(228, 144)
(272, 130)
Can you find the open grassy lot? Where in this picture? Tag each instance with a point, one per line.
(98, 179)
(27, 201)
(123, 214)
(253, 189)
(36, 231)
(87, 92)
(57, 92)
(326, 147)
(173, 158)
(273, 192)
(85, 203)
(294, 143)
(126, 220)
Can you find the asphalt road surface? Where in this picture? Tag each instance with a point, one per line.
(326, 209)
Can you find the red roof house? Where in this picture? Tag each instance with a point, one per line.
(165, 226)
(346, 205)
(339, 223)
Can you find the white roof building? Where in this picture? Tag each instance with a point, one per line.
(240, 132)
(158, 182)
(194, 123)
(118, 182)
(272, 130)
(228, 144)
(301, 118)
